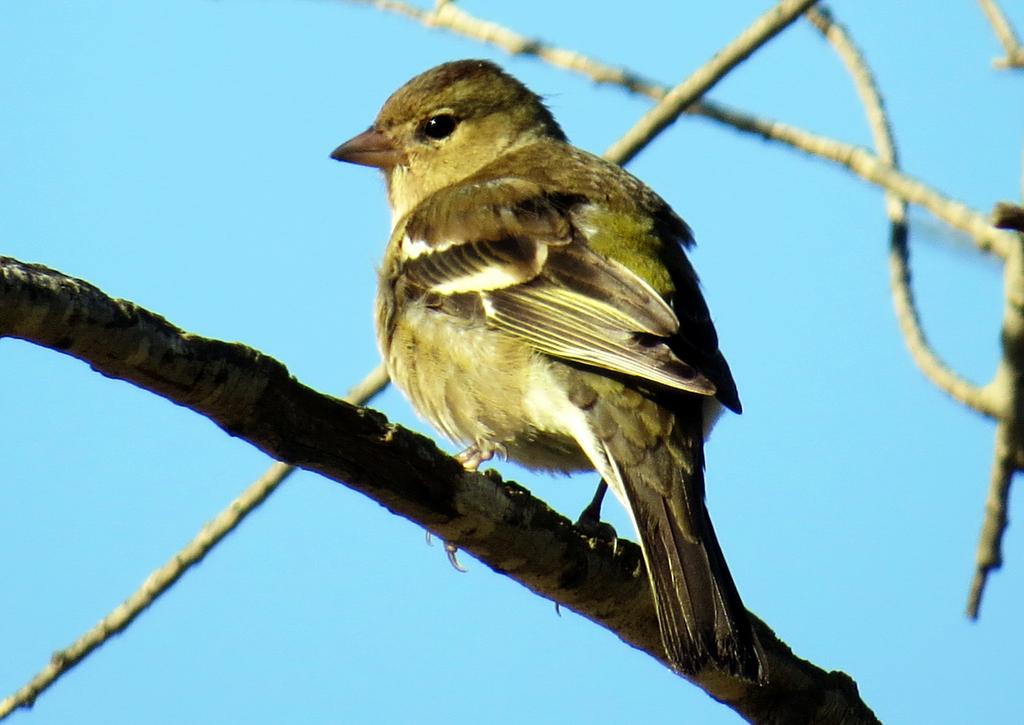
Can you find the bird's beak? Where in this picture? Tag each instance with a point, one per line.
(370, 148)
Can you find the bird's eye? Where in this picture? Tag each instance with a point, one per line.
(439, 126)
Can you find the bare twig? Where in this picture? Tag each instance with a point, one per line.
(161, 579)
(907, 314)
(254, 398)
(704, 78)
(979, 399)
(864, 83)
(1008, 389)
(453, 18)
(857, 160)
(989, 555)
(994, 400)
(871, 168)
(1005, 34)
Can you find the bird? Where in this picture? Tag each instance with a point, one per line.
(536, 302)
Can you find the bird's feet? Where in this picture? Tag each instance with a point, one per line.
(453, 557)
(590, 522)
(479, 452)
(471, 458)
(452, 551)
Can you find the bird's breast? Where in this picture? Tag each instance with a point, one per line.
(475, 384)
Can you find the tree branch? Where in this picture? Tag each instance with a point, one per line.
(862, 163)
(704, 78)
(907, 315)
(165, 576)
(1006, 35)
(253, 397)
(1007, 388)
(449, 16)
(1002, 398)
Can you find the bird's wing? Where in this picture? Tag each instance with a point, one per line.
(538, 280)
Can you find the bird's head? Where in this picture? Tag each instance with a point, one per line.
(445, 125)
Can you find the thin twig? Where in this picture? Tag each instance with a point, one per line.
(704, 78)
(989, 555)
(453, 18)
(871, 168)
(165, 576)
(1008, 388)
(857, 160)
(933, 367)
(995, 399)
(838, 36)
(1005, 34)
(979, 399)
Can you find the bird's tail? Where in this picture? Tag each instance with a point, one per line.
(700, 613)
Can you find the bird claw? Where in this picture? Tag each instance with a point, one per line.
(478, 453)
(452, 551)
(453, 557)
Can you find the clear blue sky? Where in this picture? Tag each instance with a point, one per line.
(176, 154)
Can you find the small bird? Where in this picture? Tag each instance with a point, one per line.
(535, 302)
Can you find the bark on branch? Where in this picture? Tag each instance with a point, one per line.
(253, 397)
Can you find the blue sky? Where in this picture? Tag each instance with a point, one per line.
(176, 154)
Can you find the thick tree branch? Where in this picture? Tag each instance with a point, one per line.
(253, 397)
